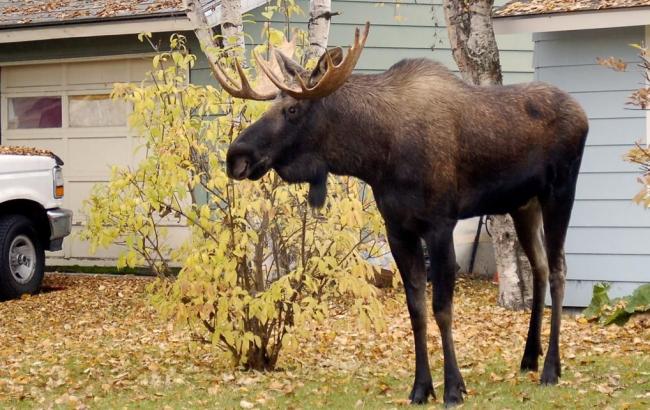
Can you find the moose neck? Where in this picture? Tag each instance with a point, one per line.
(357, 143)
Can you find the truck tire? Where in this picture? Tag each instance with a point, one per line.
(22, 257)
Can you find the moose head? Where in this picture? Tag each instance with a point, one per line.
(287, 137)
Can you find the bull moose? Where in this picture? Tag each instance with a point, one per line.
(434, 150)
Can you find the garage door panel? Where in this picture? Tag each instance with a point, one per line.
(95, 156)
(139, 68)
(31, 76)
(76, 192)
(81, 249)
(98, 72)
(57, 146)
(95, 132)
(139, 150)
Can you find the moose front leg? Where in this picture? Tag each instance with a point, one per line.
(407, 251)
(442, 257)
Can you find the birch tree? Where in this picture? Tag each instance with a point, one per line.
(320, 13)
(474, 47)
(231, 26)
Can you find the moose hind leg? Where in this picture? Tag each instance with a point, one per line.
(557, 211)
(528, 224)
(443, 273)
(407, 251)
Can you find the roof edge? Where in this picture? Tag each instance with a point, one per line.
(95, 29)
(119, 25)
(573, 20)
(91, 20)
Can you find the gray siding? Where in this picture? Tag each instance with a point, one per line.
(608, 234)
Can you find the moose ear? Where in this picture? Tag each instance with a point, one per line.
(289, 68)
(337, 56)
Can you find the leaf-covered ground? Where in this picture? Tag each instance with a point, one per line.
(93, 342)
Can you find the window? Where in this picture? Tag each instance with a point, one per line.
(96, 110)
(34, 112)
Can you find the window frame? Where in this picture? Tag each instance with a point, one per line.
(6, 117)
(88, 92)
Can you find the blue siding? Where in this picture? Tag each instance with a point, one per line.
(608, 233)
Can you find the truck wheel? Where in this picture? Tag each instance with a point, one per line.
(22, 258)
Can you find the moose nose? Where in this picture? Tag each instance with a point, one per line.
(238, 161)
(239, 169)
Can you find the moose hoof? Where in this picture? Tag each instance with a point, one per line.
(454, 393)
(421, 392)
(549, 377)
(529, 364)
(551, 372)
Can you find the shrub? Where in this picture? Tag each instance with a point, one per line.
(259, 262)
(607, 311)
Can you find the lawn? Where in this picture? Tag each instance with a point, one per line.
(93, 342)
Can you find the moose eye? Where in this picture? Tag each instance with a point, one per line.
(292, 110)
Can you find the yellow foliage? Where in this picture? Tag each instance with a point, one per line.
(259, 261)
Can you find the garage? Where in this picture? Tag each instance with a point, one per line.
(66, 107)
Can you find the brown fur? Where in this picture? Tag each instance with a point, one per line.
(436, 150)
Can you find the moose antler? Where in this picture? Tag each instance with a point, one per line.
(244, 91)
(333, 78)
(265, 89)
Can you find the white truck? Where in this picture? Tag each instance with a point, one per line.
(31, 217)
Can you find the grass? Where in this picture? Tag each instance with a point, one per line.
(357, 391)
(94, 343)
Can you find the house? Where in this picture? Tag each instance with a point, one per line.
(608, 233)
(64, 56)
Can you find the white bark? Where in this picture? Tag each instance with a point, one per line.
(201, 27)
(473, 44)
(231, 26)
(320, 12)
(474, 47)
(515, 275)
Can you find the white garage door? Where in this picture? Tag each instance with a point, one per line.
(66, 108)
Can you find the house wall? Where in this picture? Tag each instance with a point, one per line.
(403, 29)
(608, 233)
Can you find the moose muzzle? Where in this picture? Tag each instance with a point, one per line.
(243, 161)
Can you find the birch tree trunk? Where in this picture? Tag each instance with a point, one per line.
(320, 13)
(231, 26)
(469, 24)
(200, 24)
